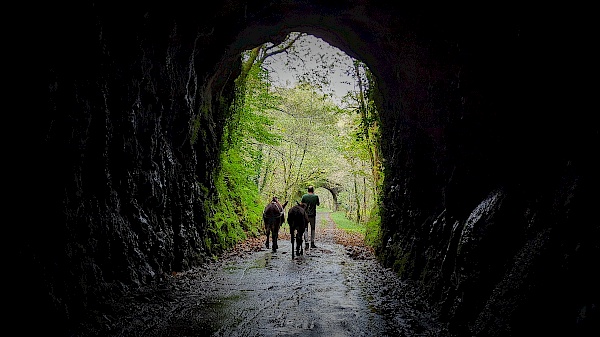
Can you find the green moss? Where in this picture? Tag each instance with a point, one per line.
(402, 262)
(373, 231)
(195, 129)
(235, 208)
(208, 243)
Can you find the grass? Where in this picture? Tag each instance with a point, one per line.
(347, 225)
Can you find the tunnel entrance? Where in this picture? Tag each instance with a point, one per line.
(304, 114)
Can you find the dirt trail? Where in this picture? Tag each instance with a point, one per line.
(331, 290)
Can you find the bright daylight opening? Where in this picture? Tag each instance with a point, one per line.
(304, 115)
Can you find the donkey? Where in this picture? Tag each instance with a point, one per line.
(298, 220)
(273, 218)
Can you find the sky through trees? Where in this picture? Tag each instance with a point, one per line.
(318, 56)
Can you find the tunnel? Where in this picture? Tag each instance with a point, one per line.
(489, 150)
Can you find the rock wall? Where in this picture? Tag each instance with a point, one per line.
(123, 154)
(489, 172)
(490, 196)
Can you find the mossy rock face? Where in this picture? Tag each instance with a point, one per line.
(403, 263)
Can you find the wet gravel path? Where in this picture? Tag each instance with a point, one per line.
(331, 290)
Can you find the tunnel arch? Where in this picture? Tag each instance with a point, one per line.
(359, 34)
(348, 31)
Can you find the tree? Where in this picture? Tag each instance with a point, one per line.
(308, 152)
(368, 131)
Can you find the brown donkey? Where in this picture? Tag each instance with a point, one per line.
(273, 218)
(298, 220)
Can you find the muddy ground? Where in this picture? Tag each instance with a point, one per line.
(336, 289)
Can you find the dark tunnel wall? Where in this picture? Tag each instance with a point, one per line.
(488, 145)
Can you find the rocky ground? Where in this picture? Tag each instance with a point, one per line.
(336, 289)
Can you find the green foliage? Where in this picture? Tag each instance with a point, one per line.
(277, 141)
(373, 229)
(249, 124)
(307, 122)
(237, 208)
(322, 208)
(348, 225)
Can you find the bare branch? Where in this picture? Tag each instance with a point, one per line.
(274, 50)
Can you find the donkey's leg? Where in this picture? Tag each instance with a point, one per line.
(275, 233)
(268, 232)
(292, 238)
(299, 249)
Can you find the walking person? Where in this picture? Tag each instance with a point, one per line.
(312, 201)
